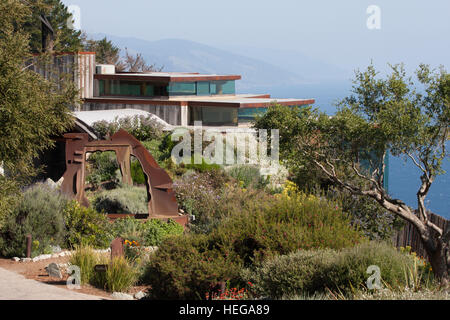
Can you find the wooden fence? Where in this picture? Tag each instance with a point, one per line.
(408, 236)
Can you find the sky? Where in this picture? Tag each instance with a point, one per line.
(336, 32)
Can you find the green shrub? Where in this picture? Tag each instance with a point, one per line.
(250, 176)
(9, 197)
(39, 213)
(149, 233)
(103, 167)
(137, 174)
(187, 267)
(122, 200)
(284, 224)
(313, 271)
(294, 274)
(86, 226)
(156, 231)
(352, 264)
(154, 147)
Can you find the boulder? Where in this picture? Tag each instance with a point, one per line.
(53, 271)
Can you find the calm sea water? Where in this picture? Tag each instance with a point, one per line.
(404, 176)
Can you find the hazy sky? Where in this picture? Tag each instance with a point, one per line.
(412, 31)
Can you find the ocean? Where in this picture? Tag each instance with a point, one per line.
(404, 176)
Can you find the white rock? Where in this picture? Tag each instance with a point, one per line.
(16, 259)
(140, 295)
(122, 296)
(55, 255)
(26, 260)
(36, 259)
(45, 256)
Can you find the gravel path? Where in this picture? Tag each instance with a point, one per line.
(14, 286)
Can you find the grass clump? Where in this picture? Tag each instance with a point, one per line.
(119, 276)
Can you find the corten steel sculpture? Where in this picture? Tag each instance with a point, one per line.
(161, 197)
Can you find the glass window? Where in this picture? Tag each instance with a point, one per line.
(182, 88)
(249, 114)
(149, 90)
(213, 116)
(101, 87)
(203, 88)
(224, 87)
(213, 87)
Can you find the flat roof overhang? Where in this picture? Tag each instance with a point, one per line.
(166, 78)
(232, 103)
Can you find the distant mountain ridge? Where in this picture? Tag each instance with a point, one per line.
(188, 56)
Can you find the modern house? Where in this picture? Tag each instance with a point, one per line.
(177, 98)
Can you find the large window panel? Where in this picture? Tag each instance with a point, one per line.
(203, 88)
(182, 88)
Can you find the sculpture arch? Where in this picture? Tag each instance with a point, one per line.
(162, 203)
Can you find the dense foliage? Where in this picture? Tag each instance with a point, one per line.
(86, 226)
(313, 271)
(186, 268)
(148, 233)
(125, 199)
(39, 213)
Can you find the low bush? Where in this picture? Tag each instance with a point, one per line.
(86, 226)
(149, 233)
(39, 213)
(313, 271)
(249, 175)
(187, 268)
(122, 200)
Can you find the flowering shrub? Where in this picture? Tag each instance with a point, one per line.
(210, 196)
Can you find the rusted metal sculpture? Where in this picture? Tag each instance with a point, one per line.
(161, 197)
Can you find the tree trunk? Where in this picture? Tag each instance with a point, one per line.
(437, 251)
